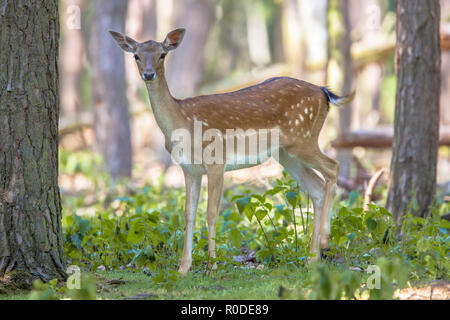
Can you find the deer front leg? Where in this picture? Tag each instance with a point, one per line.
(215, 186)
(193, 186)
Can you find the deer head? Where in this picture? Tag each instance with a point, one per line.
(150, 55)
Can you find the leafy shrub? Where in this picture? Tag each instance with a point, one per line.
(145, 230)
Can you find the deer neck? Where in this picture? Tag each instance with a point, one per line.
(164, 106)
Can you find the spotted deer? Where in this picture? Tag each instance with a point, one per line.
(295, 108)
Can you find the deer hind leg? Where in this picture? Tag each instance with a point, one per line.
(314, 186)
(329, 168)
(215, 186)
(193, 186)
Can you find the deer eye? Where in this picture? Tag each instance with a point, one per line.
(137, 57)
(162, 56)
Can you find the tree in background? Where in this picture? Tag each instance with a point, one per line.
(31, 243)
(345, 114)
(112, 119)
(71, 60)
(416, 124)
(184, 71)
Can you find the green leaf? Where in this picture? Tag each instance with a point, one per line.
(371, 224)
(351, 237)
(242, 203)
(83, 226)
(158, 278)
(261, 214)
(292, 198)
(385, 212)
(280, 208)
(275, 190)
(135, 236)
(249, 214)
(268, 206)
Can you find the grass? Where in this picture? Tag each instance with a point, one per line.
(234, 283)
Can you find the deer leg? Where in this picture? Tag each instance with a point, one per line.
(315, 187)
(193, 186)
(215, 186)
(329, 168)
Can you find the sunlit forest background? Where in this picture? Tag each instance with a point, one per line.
(229, 45)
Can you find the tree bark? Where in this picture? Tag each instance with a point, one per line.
(416, 124)
(112, 120)
(30, 207)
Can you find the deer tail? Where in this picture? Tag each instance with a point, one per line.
(336, 100)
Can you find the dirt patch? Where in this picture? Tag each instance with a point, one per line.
(435, 291)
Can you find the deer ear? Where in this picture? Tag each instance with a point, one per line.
(126, 43)
(173, 39)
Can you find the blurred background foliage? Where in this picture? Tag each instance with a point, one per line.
(230, 45)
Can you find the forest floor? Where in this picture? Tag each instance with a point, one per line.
(239, 284)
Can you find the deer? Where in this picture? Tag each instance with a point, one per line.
(295, 108)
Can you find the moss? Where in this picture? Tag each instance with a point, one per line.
(15, 280)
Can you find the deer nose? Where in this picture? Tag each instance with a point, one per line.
(148, 76)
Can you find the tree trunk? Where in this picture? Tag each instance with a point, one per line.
(71, 63)
(416, 124)
(31, 240)
(112, 120)
(346, 62)
(184, 68)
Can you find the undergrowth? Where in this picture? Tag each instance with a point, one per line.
(143, 231)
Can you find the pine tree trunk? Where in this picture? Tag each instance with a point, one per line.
(345, 114)
(31, 240)
(416, 125)
(112, 119)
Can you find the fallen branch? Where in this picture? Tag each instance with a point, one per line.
(378, 139)
(370, 187)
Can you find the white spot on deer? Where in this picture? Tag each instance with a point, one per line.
(292, 130)
(310, 116)
(297, 122)
(301, 117)
(286, 113)
(306, 110)
(292, 107)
